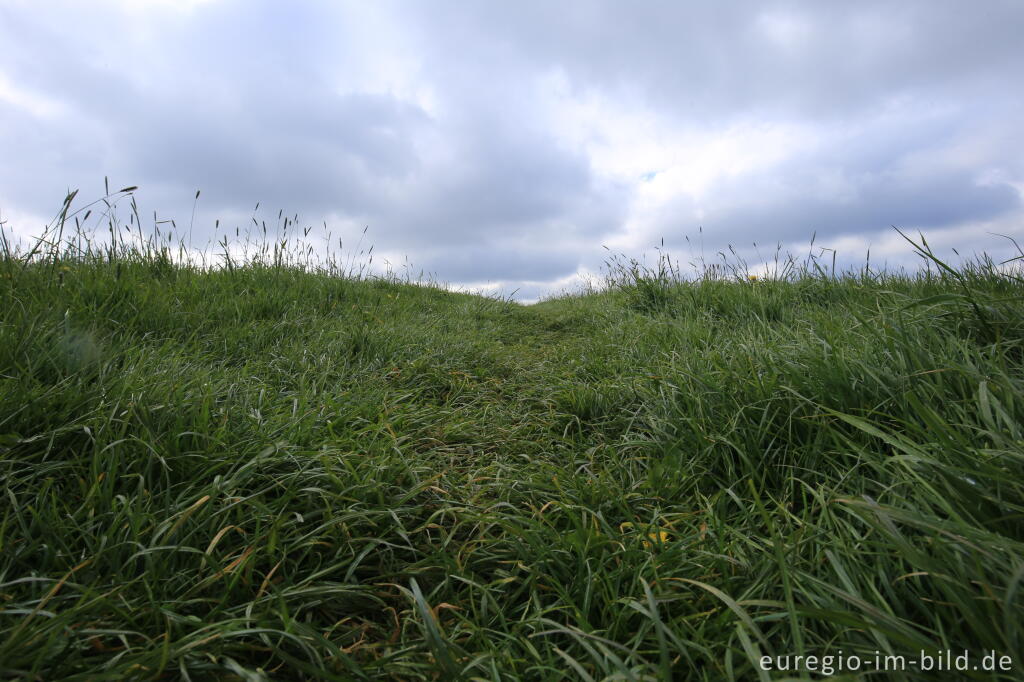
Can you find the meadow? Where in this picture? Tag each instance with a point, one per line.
(277, 469)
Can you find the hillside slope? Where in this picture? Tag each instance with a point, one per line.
(263, 471)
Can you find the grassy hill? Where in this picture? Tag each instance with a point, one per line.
(267, 471)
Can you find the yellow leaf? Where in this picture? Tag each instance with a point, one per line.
(659, 537)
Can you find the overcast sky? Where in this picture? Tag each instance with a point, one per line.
(503, 145)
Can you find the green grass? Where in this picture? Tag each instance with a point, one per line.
(274, 470)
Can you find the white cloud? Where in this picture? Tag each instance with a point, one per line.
(37, 104)
(786, 29)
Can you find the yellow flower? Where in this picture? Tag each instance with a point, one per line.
(656, 537)
(659, 538)
(752, 278)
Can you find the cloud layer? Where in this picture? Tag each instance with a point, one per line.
(503, 144)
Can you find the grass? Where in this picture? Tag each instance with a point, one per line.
(276, 469)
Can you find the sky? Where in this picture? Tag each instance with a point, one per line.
(510, 147)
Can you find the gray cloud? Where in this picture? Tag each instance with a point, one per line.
(502, 178)
(496, 264)
(708, 60)
(318, 153)
(916, 173)
(795, 211)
